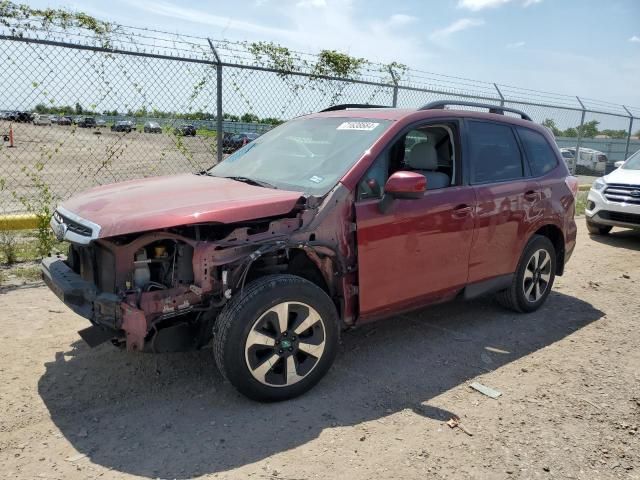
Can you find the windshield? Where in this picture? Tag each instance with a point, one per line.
(307, 154)
(633, 162)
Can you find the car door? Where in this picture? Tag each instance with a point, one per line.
(507, 198)
(416, 252)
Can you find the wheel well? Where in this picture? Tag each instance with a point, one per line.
(301, 265)
(296, 263)
(554, 234)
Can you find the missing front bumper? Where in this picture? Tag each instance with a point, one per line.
(81, 296)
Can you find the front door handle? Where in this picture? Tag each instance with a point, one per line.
(462, 210)
(531, 196)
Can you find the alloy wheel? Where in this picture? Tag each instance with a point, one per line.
(537, 275)
(285, 344)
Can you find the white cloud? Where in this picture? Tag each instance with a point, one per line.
(312, 3)
(635, 39)
(457, 26)
(339, 26)
(516, 45)
(476, 5)
(399, 19)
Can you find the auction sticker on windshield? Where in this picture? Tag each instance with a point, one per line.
(365, 126)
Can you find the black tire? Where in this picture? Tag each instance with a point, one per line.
(518, 297)
(595, 229)
(243, 315)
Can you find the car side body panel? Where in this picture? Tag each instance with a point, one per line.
(414, 254)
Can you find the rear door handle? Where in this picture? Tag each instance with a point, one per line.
(531, 196)
(462, 210)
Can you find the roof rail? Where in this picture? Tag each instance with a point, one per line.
(497, 109)
(344, 106)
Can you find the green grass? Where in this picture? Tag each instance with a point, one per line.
(30, 273)
(203, 132)
(26, 247)
(581, 202)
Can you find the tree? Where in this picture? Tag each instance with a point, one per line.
(250, 118)
(614, 133)
(79, 109)
(551, 125)
(570, 132)
(589, 129)
(41, 108)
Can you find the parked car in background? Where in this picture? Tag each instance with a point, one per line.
(64, 121)
(53, 118)
(77, 119)
(239, 140)
(614, 200)
(589, 161)
(100, 123)
(185, 130)
(87, 122)
(122, 126)
(22, 117)
(328, 221)
(569, 158)
(41, 119)
(152, 127)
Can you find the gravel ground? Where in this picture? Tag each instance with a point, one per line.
(75, 159)
(569, 376)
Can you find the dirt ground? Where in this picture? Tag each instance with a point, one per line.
(76, 159)
(569, 376)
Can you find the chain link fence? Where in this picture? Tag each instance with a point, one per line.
(85, 104)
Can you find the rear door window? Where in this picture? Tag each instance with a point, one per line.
(494, 153)
(541, 157)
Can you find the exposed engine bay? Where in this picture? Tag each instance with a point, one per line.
(162, 291)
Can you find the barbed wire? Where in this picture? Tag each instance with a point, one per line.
(184, 45)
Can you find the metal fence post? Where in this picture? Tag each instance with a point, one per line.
(499, 93)
(395, 87)
(626, 150)
(219, 112)
(584, 111)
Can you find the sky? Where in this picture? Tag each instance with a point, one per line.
(589, 48)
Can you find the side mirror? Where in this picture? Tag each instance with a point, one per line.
(402, 185)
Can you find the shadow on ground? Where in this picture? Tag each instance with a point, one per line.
(629, 239)
(172, 415)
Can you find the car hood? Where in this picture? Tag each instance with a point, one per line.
(621, 175)
(163, 202)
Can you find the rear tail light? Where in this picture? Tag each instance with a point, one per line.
(572, 183)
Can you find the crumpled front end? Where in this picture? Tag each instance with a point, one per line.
(162, 290)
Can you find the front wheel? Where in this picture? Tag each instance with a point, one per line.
(533, 278)
(277, 339)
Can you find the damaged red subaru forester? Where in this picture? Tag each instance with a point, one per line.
(330, 220)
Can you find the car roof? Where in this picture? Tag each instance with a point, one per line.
(410, 115)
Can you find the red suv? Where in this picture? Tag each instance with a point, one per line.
(330, 220)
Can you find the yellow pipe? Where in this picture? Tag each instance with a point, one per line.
(18, 222)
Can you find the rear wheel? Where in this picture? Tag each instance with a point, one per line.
(596, 229)
(533, 278)
(277, 339)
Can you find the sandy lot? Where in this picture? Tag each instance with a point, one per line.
(569, 376)
(78, 158)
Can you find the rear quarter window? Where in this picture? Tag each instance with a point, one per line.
(541, 157)
(494, 153)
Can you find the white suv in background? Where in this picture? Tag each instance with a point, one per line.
(614, 200)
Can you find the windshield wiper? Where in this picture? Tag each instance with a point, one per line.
(252, 181)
